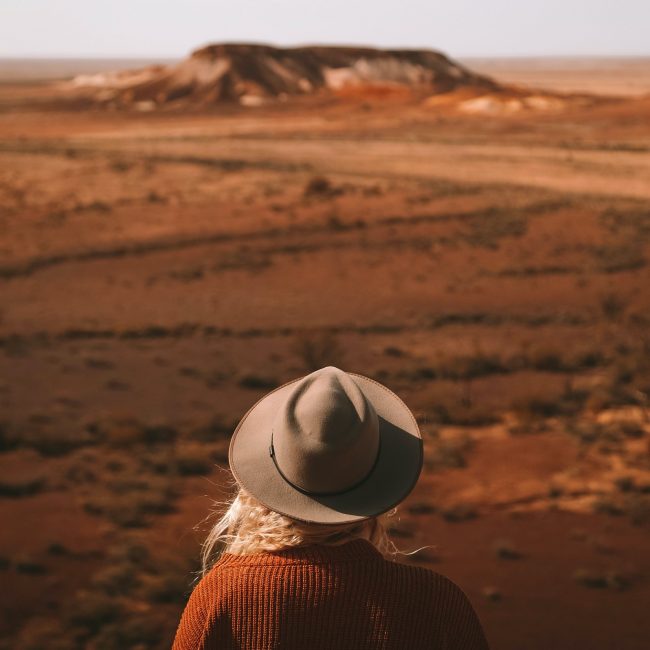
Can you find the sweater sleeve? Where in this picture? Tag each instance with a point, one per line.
(192, 629)
(463, 627)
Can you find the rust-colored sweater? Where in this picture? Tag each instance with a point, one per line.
(346, 597)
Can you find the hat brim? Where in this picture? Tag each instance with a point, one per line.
(392, 478)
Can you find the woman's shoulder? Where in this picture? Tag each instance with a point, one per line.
(437, 583)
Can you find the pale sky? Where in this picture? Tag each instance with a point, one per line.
(172, 28)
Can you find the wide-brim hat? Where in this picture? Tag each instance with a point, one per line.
(331, 447)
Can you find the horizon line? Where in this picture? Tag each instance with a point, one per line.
(470, 55)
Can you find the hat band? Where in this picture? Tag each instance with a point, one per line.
(322, 494)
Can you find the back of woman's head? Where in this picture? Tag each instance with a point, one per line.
(247, 526)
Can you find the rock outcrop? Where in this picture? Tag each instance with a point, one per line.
(256, 74)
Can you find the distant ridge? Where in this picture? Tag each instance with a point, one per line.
(252, 74)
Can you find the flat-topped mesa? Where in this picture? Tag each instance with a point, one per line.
(253, 74)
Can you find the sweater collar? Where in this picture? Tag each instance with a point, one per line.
(354, 550)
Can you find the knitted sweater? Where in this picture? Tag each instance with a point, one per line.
(316, 597)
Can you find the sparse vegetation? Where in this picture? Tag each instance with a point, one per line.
(155, 291)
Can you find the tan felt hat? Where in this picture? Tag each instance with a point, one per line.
(331, 447)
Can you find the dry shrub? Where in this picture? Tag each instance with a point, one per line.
(53, 442)
(131, 631)
(91, 611)
(116, 579)
(123, 433)
(624, 256)
(255, 381)
(601, 579)
(18, 489)
(469, 366)
(448, 452)
(506, 550)
(492, 593)
(459, 512)
(456, 412)
(532, 407)
(130, 501)
(321, 187)
(637, 507)
(127, 431)
(612, 306)
(422, 508)
(8, 440)
(317, 349)
(168, 587)
(218, 428)
(28, 565)
(40, 633)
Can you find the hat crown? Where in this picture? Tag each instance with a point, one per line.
(326, 435)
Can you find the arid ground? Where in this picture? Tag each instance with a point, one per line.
(160, 271)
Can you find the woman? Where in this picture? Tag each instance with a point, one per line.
(305, 559)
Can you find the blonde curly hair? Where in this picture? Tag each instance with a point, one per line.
(247, 526)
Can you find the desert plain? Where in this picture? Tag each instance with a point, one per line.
(160, 270)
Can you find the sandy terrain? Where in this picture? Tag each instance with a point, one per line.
(161, 271)
(624, 76)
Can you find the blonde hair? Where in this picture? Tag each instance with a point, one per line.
(247, 526)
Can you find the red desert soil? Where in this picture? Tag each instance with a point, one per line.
(161, 269)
